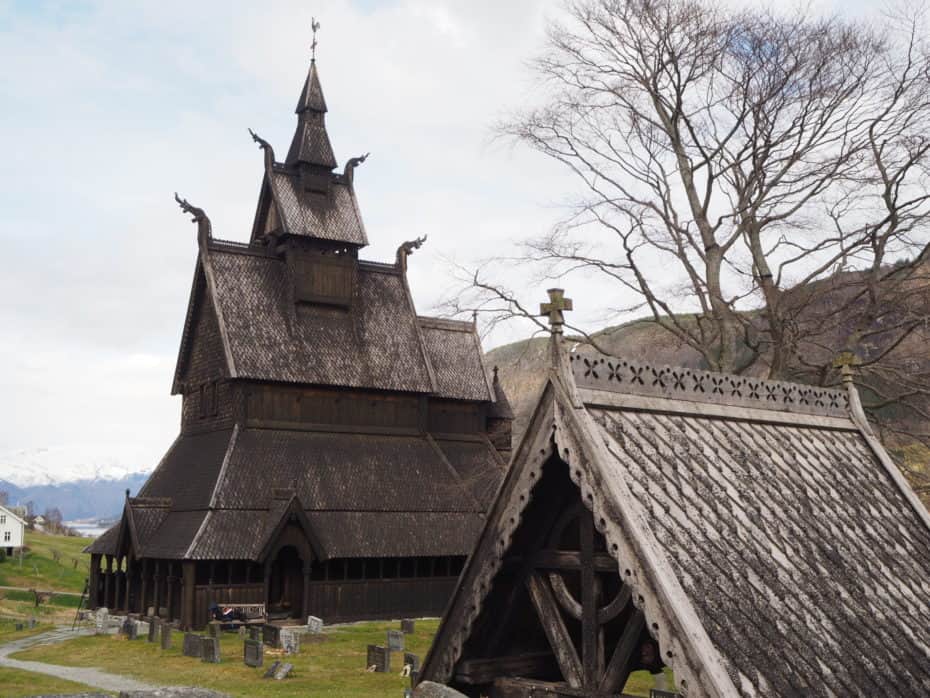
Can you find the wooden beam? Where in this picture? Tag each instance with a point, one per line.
(483, 671)
(571, 560)
(556, 632)
(618, 670)
(592, 668)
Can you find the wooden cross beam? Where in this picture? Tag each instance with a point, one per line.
(555, 309)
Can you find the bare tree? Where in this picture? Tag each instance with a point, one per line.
(764, 171)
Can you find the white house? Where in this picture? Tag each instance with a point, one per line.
(12, 529)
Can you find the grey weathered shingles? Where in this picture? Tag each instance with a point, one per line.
(355, 472)
(372, 345)
(785, 563)
(331, 216)
(395, 534)
(189, 470)
(477, 468)
(455, 358)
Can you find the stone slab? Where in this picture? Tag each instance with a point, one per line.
(378, 659)
(290, 640)
(193, 647)
(395, 640)
(428, 689)
(412, 660)
(211, 650)
(253, 653)
(314, 624)
(408, 626)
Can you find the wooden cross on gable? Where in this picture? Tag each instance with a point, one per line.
(555, 308)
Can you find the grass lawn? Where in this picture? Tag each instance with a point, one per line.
(18, 684)
(8, 630)
(331, 669)
(41, 570)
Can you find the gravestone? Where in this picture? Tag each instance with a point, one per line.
(314, 624)
(20, 627)
(255, 632)
(166, 638)
(130, 629)
(395, 640)
(211, 650)
(32, 623)
(290, 640)
(150, 611)
(407, 626)
(213, 628)
(243, 632)
(271, 670)
(271, 635)
(412, 660)
(379, 659)
(253, 653)
(162, 612)
(282, 670)
(154, 630)
(142, 628)
(101, 620)
(192, 645)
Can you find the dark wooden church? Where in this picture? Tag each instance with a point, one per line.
(753, 535)
(337, 451)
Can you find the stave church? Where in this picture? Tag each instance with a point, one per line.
(337, 451)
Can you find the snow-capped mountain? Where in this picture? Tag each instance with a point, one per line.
(78, 480)
(60, 464)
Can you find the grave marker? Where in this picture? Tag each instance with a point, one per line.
(379, 659)
(290, 640)
(413, 661)
(255, 632)
(253, 653)
(101, 621)
(154, 630)
(407, 626)
(213, 628)
(210, 650)
(192, 645)
(314, 624)
(271, 635)
(166, 638)
(395, 640)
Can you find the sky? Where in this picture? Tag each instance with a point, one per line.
(109, 107)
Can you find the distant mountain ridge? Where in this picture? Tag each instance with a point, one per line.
(96, 498)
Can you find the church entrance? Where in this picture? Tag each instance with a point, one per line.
(286, 587)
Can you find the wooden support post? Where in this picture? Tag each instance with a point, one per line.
(305, 605)
(128, 589)
(618, 670)
(169, 582)
(106, 581)
(266, 594)
(589, 626)
(156, 583)
(93, 582)
(188, 576)
(559, 638)
(143, 595)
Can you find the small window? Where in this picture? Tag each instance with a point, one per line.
(208, 406)
(6, 536)
(2, 518)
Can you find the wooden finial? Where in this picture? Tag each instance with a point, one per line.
(555, 309)
(847, 362)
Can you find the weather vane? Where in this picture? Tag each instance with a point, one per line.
(314, 25)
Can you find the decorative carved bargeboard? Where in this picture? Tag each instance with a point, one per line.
(597, 372)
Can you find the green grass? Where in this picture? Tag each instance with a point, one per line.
(40, 569)
(332, 669)
(8, 630)
(18, 684)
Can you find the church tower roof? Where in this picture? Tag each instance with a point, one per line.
(310, 145)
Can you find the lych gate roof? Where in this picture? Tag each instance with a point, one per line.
(770, 542)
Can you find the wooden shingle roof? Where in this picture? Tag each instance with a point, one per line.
(771, 544)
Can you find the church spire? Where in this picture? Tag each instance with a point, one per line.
(310, 147)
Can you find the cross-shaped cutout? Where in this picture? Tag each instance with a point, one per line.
(555, 308)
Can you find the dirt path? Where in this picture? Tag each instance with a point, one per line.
(90, 677)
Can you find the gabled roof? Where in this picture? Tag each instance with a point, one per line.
(378, 343)
(9, 513)
(772, 545)
(361, 495)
